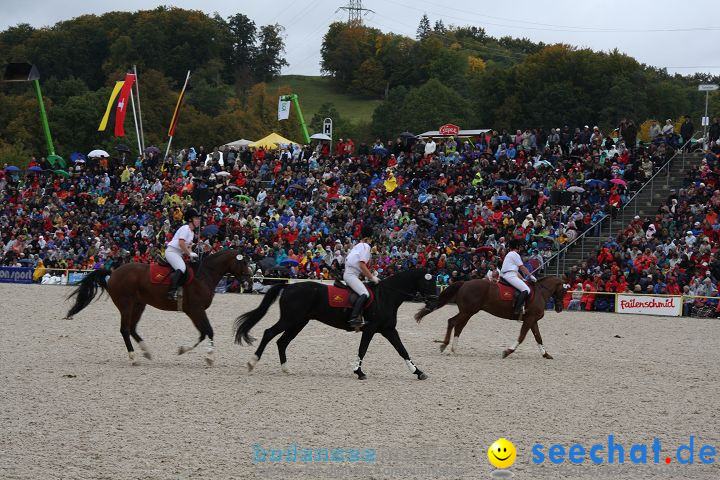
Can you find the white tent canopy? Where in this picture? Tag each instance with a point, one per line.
(239, 143)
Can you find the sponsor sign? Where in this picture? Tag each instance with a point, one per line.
(649, 305)
(16, 275)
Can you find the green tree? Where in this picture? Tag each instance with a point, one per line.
(242, 35)
(369, 79)
(268, 59)
(423, 29)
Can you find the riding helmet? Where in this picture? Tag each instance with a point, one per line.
(367, 231)
(191, 213)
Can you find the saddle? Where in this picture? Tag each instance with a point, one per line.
(509, 293)
(160, 274)
(342, 296)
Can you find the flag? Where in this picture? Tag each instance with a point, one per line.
(283, 109)
(176, 113)
(109, 109)
(123, 99)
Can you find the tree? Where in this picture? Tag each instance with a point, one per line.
(242, 36)
(268, 59)
(432, 105)
(423, 29)
(345, 47)
(370, 79)
(440, 27)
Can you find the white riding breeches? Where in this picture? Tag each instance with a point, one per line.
(513, 278)
(175, 258)
(355, 284)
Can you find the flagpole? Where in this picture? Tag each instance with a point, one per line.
(137, 132)
(177, 112)
(137, 92)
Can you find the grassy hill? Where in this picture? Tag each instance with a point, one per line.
(314, 91)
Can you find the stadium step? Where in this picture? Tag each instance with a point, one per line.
(646, 204)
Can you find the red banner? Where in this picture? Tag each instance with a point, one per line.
(449, 129)
(122, 105)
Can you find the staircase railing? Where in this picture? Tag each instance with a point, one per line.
(559, 256)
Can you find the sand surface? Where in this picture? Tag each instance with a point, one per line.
(71, 406)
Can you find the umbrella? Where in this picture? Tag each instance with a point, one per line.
(242, 198)
(542, 162)
(379, 151)
(407, 135)
(222, 174)
(121, 147)
(530, 191)
(233, 188)
(503, 197)
(576, 189)
(515, 182)
(289, 262)
(98, 153)
(297, 186)
(210, 230)
(500, 182)
(594, 181)
(79, 160)
(63, 173)
(618, 181)
(485, 248)
(77, 156)
(12, 168)
(266, 264)
(320, 136)
(152, 149)
(35, 169)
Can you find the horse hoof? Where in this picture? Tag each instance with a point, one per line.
(422, 376)
(548, 356)
(443, 347)
(286, 369)
(182, 350)
(507, 352)
(361, 375)
(252, 362)
(210, 359)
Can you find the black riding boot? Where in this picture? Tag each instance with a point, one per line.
(520, 302)
(175, 277)
(355, 320)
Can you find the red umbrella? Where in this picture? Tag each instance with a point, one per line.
(618, 181)
(485, 248)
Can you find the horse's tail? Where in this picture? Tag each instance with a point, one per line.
(87, 290)
(246, 321)
(446, 296)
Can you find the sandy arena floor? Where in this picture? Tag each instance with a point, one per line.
(71, 406)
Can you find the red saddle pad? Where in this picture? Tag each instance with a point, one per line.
(160, 274)
(340, 297)
(507, 293)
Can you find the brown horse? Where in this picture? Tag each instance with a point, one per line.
(475, 295)
(130, 289)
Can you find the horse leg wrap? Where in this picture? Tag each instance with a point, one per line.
(411, 366)
(541, 349)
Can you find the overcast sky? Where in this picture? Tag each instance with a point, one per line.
(682, 36)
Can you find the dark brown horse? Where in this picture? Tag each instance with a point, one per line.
(475, 295)
(130, 289)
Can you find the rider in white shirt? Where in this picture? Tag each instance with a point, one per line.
(356, 264)
(511, 268)
(181, 244)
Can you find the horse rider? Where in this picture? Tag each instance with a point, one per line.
(511, 268)
(356, 264)
(179, 246)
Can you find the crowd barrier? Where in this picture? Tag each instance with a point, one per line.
(609, 302)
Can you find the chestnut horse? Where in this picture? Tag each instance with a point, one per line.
(482, 294)
(130, 289)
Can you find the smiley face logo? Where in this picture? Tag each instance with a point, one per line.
(502, 453)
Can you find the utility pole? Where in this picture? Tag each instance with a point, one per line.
(355, 11)
(707, 88)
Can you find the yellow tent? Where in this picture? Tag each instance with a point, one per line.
(271, 141)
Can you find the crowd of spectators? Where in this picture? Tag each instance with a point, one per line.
(448, 204)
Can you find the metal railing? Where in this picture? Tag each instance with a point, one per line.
(560, 255)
